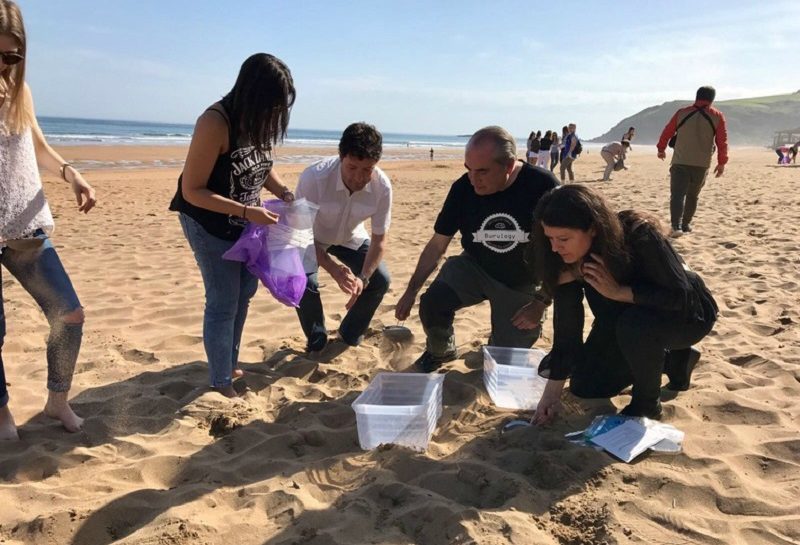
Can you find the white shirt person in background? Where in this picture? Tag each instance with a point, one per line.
(348, 189)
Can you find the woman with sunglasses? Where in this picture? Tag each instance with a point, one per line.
(25, 223)
(228, 163)
(648, 307)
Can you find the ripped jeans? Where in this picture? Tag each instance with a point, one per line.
(36, 266)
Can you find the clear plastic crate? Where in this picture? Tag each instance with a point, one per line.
(511, 376)
(399, 408)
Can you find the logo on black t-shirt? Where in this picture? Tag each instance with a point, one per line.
(500, 233)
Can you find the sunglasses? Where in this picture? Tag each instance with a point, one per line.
(11, 57)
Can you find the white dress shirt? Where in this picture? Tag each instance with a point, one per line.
(340, 219)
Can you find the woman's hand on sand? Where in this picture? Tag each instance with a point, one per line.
(404, 305)
(529, 316)
(84, 193)
(550, 404)
(261, 216)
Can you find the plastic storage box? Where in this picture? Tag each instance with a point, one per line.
(511, 376)
(399, 408)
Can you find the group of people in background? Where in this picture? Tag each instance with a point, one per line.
(552, 149)
(527, 242)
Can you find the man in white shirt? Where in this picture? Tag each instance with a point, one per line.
(348, 189)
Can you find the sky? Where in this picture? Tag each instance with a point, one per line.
(430, 67)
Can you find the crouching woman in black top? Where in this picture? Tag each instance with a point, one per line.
(648, 307)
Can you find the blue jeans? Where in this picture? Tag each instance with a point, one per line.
(36, 266)
(229, 288)
(357, 319)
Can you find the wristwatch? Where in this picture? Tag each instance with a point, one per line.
(364, 279)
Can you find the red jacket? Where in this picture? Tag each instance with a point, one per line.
(720, 137)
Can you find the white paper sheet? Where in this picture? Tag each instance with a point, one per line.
(628, 440)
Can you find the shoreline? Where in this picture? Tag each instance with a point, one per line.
(138, 157)
(125, 157)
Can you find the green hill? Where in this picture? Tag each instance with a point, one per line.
(751, 121)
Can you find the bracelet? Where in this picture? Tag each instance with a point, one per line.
(63, 171)
(244, 212)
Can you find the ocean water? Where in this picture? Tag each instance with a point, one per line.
(67, 131)
(75, 131)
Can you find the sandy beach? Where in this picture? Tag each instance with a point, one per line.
(164, 461)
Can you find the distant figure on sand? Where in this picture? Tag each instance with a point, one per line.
(26, 222)
(219, 192)
(348, 188)
(628, 136)
(614, 156)
(534, 145)
(545, 143)
(693, 132)
(648, 308)
(555, 150)
(491, 206)
(783, 155)
(431, 154)
(569, 152)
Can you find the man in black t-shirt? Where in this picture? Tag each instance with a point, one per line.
(491, 206)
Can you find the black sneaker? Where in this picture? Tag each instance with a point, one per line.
(649, 410)
(678, 367)
(686, 228)
(428, 363)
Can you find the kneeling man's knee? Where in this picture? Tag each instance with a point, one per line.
(75, 317)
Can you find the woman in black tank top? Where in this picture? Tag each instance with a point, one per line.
(228, 163)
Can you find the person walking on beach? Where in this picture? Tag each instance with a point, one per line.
(569, 152)
(555, 150)
(613, 154)
(348, 188)
(219, 192)
(491, 206)
(26, 223)
(648, 308)
(694, 131)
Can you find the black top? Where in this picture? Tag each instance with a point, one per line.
(658, 279)
(495, 229)
(545, 144)
(238, 175)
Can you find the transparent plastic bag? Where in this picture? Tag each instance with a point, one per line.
(280, 255)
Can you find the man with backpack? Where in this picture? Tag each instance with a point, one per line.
(693, 132)
(572, 148)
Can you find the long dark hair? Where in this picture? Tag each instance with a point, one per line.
(13, 77)
(575, 206)
(261, 100)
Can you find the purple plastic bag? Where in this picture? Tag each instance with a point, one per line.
(274, 253)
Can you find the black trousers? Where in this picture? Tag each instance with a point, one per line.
(630, 350)
(357, 319)
(685, 185)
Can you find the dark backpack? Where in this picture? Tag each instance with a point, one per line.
(578, 146)
(674, 138)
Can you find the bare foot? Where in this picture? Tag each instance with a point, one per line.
(237, 373)
(227, 391)
(58, 408)
(8, 429)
